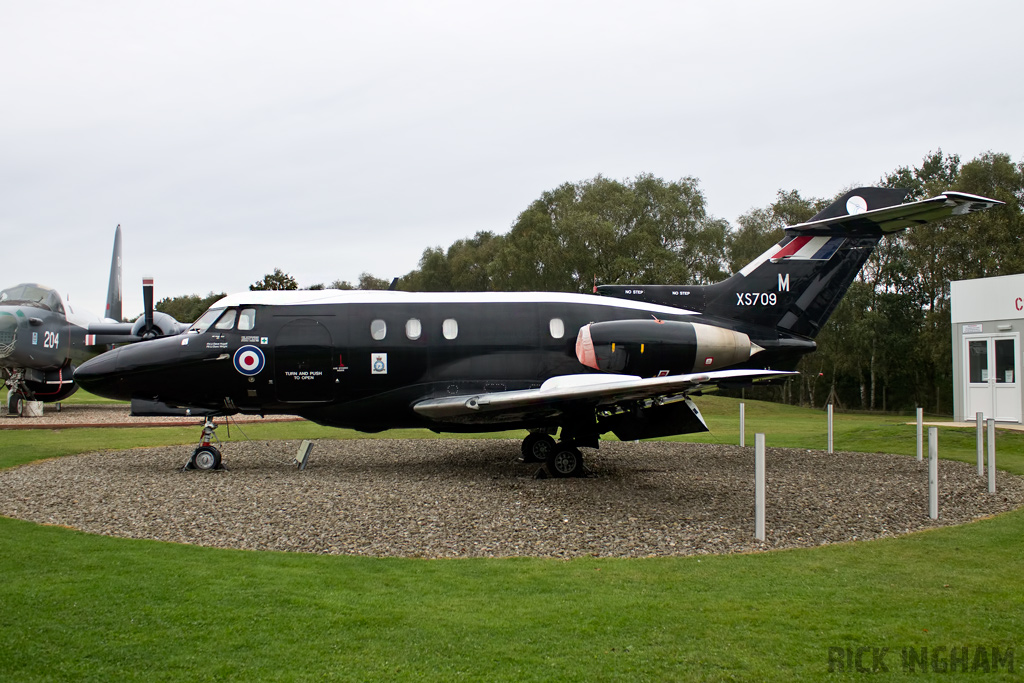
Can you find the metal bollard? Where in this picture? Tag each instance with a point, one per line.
(933, 472)
(759, 486)
(920, 434)
(829, 427)
(979, 421)
(991, 455)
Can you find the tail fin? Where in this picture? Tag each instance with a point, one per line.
(113, 309)
(796, 285)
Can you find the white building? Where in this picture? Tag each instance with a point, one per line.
(987, 316)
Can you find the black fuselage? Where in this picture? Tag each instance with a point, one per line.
(363, 363)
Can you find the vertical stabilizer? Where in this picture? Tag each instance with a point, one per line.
(794, 286)
(113, 309)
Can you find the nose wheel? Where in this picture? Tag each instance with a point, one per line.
(15, 403)
(206, 457)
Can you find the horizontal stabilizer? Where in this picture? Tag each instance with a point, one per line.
(863, 220)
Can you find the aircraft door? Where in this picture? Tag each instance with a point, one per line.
(303, 362)
(993, 385)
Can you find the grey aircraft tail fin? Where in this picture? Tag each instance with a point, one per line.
(113, 309)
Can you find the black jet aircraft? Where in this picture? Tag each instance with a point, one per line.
(43, 338)
(574, 364)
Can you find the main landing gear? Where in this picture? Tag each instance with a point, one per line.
(562, 458)
(205, 456)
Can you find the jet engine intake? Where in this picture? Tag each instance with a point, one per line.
(650, 348)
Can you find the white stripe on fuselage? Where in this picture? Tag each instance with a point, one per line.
(358, 296)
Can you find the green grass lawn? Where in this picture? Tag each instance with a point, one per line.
(81, 607)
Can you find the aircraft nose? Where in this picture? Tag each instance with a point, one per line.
(128, 370)
(100, 375)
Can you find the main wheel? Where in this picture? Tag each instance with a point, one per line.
(206, 458)
(15, 403)
(537, 447)
(565, 461)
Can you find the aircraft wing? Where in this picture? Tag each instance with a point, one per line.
(896, 218)
(558, 393)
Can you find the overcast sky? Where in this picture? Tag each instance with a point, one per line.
(332, 138)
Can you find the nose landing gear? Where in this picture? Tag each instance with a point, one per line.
(205, 456)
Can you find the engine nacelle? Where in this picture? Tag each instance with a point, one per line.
(165, 325)
(651, 348)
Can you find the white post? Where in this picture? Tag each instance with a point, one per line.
(980, 427)
(933, 472)
(829, 427)
(759, 486)
(991, 455)
(742, 425)
(920, 434)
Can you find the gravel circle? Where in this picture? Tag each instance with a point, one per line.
(475, 498)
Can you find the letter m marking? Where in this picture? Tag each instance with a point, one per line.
(783, 282)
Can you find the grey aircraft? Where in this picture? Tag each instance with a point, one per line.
(44, 338)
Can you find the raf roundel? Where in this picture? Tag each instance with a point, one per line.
(249, 360)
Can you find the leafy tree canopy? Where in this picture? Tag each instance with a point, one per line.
(274, 281)
(188, 307)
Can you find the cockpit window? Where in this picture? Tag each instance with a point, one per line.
(247, 319)
(205, 320)
(28, 294)
(226, 321)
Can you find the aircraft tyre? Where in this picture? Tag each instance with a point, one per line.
(15, 403)
(565, 460)
(537, 447)
(206, 458)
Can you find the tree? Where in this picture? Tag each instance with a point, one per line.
(274, 281)
(367, 281)
(463, 268)
(187, 308)
(639, 231)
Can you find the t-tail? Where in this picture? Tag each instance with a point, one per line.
(113, 309)
(794, 286)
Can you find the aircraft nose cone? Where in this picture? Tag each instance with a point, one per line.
(100, 375)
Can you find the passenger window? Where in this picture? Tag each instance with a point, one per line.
(557, 328)
(450, 328)
(413, 328)
(227, 321)
(378, 329)
(247, 319)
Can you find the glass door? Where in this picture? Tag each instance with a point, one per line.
(993, 384)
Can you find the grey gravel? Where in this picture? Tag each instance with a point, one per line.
(474, 498)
